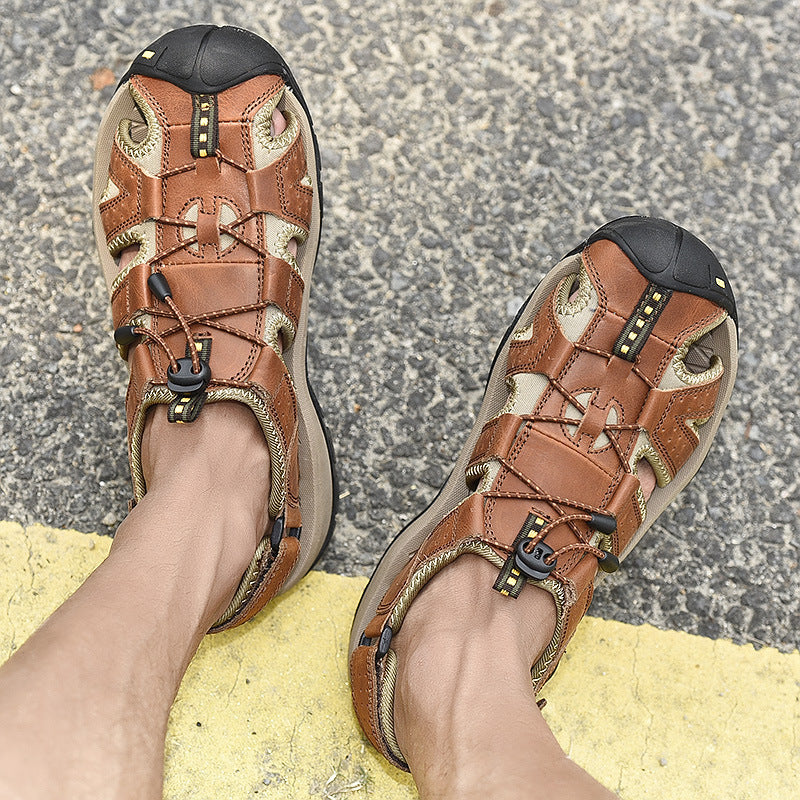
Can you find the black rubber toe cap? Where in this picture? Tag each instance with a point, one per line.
(670, 256)
(205, 59)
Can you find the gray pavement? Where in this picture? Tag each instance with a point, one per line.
(466, 146)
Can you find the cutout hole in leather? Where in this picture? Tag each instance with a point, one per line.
(700, 355)
(136, 128)
(124, 257)
(138, 132)
(574, 288)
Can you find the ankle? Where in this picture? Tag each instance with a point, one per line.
(221, 459)
(458, 715)
(206, 506)
(225, 435)
(466, 649)
(459, 610)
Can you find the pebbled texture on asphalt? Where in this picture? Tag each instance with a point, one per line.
(465, 147)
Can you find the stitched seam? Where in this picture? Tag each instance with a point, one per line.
(490, 503)
(260, 100)
(282, 166)
(673, 346)
(158, 110)
(603, 469)
(246, 133)
(531, 364)
(680, 420)
(602, 297)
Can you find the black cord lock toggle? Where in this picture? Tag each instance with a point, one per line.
(603, 523)
(533, 564)
(184, 381)
(385, 641)
(277, 534)
(609, 562)
(158, 285)
(125, 335)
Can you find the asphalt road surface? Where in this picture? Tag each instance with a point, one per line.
(465, 147)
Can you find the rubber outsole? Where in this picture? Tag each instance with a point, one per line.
(208, 59)
(637, 230)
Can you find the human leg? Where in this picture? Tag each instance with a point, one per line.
(84, 702)
(466, 717)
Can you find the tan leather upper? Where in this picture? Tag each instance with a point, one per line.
(539, 453)
(210, 218)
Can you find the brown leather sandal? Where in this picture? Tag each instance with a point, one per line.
(214, 306)
(626, 350)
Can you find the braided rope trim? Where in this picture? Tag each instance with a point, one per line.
(262, 124)
(696, 379)
(566, 307)
(386, 707)
(247, 584)
(153, 137)
(649, 453)
(135, 235)
(541, 668)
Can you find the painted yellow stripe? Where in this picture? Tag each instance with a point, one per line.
(652, 714)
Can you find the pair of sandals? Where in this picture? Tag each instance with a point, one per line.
(626, 350)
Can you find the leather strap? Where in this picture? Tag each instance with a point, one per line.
(277, 189)
(546, 351)
(139, 196)
(207, 229)
(496, 439)
(270, 379)
(283, 287)
(665, 415)
(365, 687)
(624, 507)
(269, 582)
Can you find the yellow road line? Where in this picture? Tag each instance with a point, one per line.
(652, 714)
